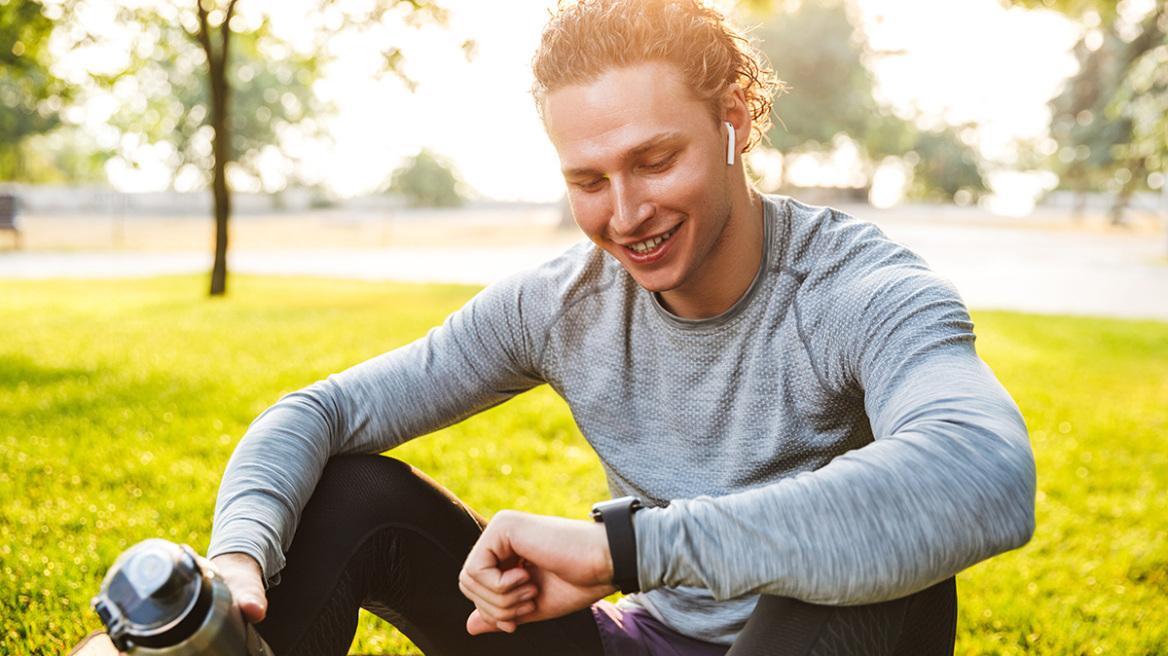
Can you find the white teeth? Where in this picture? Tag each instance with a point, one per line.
(649, 244)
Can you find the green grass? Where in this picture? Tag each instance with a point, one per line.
(120, 403)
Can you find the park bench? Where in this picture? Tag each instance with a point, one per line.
(8, 219)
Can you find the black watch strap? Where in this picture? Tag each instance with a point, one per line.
(617, 517)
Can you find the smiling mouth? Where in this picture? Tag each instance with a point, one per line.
(651, 244)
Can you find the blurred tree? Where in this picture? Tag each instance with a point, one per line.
(945, 168)
(821, 57)
(1109, 119)
(1104, 10)
(1079, 122)
(165, 104)
(67, 154)
(215, 93)
(427, 180)
(1142, 101)
(815, 50)
(1143, 98)
(31, 97)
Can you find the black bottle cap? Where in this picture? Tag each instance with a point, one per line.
(155, 595)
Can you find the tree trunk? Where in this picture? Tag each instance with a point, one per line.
(221, 147)
(1123, 199)
(221, 142)
(1079, 201)
(222, 212)
(1118, 206)
(1164, 211)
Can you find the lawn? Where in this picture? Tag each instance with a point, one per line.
(120, 403)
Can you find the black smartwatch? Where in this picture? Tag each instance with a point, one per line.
(617, 517)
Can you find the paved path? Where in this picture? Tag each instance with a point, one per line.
(1034, 269)
(457, 265)
(1045, 270)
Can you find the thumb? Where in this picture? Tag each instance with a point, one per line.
(253, 607)
(244, 579)
(477, 624)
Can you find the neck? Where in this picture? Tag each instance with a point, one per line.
(730, 267)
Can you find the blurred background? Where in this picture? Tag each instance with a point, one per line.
(361, 123)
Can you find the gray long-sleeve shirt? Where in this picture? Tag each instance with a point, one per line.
(832, 437)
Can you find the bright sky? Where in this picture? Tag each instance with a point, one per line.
(972, 60)
(966, 60)
(479, 113)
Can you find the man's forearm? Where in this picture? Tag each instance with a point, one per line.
(451, 373)
(269, 479)
(877, 523)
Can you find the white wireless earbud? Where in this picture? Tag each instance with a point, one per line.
(730, 134)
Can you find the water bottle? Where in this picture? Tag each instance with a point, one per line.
(162, 599)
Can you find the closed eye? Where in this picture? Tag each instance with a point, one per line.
(660, 164)
(592, 185)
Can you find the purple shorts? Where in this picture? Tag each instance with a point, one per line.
(634, 632)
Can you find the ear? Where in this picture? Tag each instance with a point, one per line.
(736, 112)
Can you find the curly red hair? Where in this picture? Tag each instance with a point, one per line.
(587, 38)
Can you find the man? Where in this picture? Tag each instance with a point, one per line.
(795, 398)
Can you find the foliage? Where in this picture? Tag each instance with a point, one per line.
(167, 109)
(944, 166)
(1106, 10)
(163, 86)
(1109, 117)
(31, 97)
(428, 180)
(1142, 99)
(119, 432)
(815, 50)
(1087, 132)
(824, 59)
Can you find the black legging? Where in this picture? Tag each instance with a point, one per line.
(380, 535)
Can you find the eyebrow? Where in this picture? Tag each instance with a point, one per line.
(649, 144)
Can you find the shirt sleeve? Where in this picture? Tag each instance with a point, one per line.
(949, 479)
(476, 359)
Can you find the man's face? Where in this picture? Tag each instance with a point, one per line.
(645, 166)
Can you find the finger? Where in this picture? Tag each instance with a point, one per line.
(508, 627)
(511, 610)
(512, 578)
(475, 591)
(493, 562)
(478, 623)
(499, 576)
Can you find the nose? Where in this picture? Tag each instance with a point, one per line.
(630, 205)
